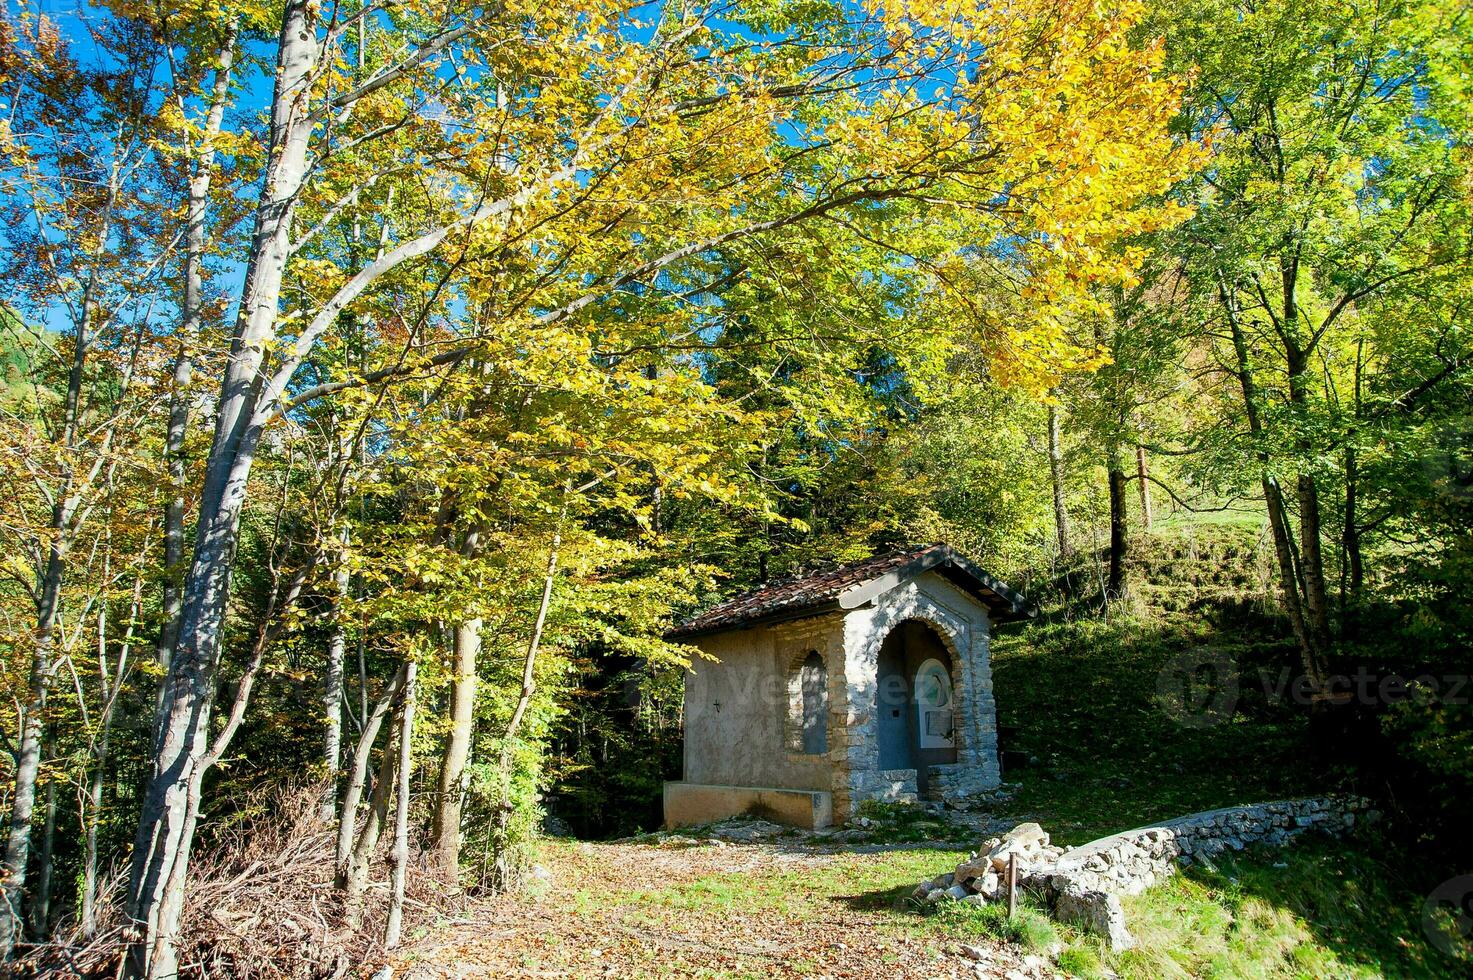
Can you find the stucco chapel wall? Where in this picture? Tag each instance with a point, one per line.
(964, 628)
(738, 726)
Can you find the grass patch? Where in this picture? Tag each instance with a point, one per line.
(876, 883)
(1317, 909)
(1100, 754)
(1030, 927)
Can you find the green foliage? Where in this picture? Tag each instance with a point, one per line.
(615, 746)
(1111, 755)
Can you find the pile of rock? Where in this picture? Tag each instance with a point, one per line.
(983, 876)
(1083, 885)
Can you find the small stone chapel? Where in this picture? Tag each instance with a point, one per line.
(870, 681)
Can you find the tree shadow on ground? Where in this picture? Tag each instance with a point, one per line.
(892, 899)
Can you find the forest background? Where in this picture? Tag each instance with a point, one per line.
(383, 380)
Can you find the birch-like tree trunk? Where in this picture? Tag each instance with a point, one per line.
(28, 752)
(332, 687)
(355, 848)
(202, 172)
(502, 872)
(41, 913)
(445, 840)
(48, 611)
(165, 829)
(360, 860)
(395, 922)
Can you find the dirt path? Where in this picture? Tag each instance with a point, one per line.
(680, 908)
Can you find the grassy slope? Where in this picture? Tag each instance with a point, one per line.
(1081, 699)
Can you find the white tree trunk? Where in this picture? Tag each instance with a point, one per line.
(191, 319)
(401, 813)
(358, 776)
(166, 824)
(332, 688)
(360, 861)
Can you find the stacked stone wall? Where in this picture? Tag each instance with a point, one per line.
(1084, 885)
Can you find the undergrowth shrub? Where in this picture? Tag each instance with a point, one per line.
(261, 904)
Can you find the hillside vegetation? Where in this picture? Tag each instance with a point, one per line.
(383, 381)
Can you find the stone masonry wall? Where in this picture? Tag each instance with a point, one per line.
(1083, 885)
(963, 628)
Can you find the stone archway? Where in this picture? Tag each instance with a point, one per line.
(915, 685)
(963, 636)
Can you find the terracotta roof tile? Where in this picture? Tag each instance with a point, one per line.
(792, 596)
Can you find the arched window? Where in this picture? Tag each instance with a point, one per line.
(814, 683)
(933, 702)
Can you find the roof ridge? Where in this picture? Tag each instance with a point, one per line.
(811, 589)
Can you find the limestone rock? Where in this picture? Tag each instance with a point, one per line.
(1098, 912)
(968, 871)
(1026, 834)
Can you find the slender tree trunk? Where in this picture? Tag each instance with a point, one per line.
(1118, 529)
(1142, 475)
(48, 611)
(1056, 475)
(332, 688)
(1354, 568)
(165, 828)
(202, 172)
(1311, 559)
(1311, 555)
(41, 913)
(358, 777)
(28, 755)
(401, 813)
(91, 809)
(89, 851)
(452, 787)
(502, 873)
(360, 860)
(1278, 519)
(1350, 541)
